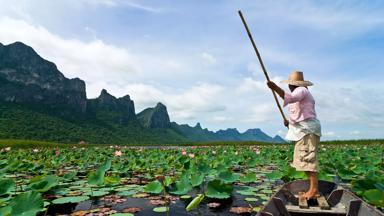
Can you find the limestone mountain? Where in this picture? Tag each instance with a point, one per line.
(278, 139)
(25, 77)
(231, 134)
(109, 108)
(198, 134)
(195, 133)
(155, 117)
(251, 134)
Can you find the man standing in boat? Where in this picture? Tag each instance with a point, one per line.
(303, 127)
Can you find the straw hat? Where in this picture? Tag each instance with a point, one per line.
(297, 78)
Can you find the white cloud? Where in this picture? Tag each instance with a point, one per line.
(250, 84)
(94, 60)
(332, 19)
(260, 113)
(100, 64)
(184, 104)
(208, 58)
(329, 134)
(222, 118)
(125, 3)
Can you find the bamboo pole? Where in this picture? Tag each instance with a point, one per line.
(261, 63)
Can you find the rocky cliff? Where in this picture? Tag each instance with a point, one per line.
(109, 108)
(25, 77)
(155, 117)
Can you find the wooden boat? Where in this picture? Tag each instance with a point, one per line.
(334, 201)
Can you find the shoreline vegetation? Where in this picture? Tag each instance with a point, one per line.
(20, 143)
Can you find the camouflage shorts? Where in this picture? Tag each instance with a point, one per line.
(305, 153)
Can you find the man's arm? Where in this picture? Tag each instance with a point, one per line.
(276, 88)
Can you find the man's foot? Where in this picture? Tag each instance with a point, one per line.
(311, 194)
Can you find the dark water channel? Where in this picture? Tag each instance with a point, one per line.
(176, 208)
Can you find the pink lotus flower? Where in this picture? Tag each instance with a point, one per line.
(191, 155)
(57, 151)
(118, 153)
(183, 152)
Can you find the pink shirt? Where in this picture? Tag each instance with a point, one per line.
(301, 105)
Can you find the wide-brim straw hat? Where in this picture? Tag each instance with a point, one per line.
(297, 78)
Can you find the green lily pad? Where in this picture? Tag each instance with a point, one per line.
(74, 199)
(375, 197)
(96, 178)
(185, 197)
(106, 189)
(275, 175)
(123, 189)
(154, 187)
(197, 179)
(5, 210)
(46, 203)
(70, 175)
(248, 178)
(44, 183)
(326, 177)
(27, 203)
(6, 186)
(126, 193)
(251, 199)
(246, 192)
(4, 199)
(161, 209)
(96, 193)
(263, 196)
(228, 176)
(140, 195)
(112, 180)
(218, 189)
(106, 165)
(180, 187)
(267, 191)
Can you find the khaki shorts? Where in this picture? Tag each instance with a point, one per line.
(305, 153)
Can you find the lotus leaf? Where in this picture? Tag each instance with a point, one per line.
(74, 199)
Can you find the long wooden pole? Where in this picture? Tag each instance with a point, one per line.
(261, 63)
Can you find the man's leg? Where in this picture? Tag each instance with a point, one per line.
(313, 190)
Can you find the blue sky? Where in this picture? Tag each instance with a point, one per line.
(195, 57)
